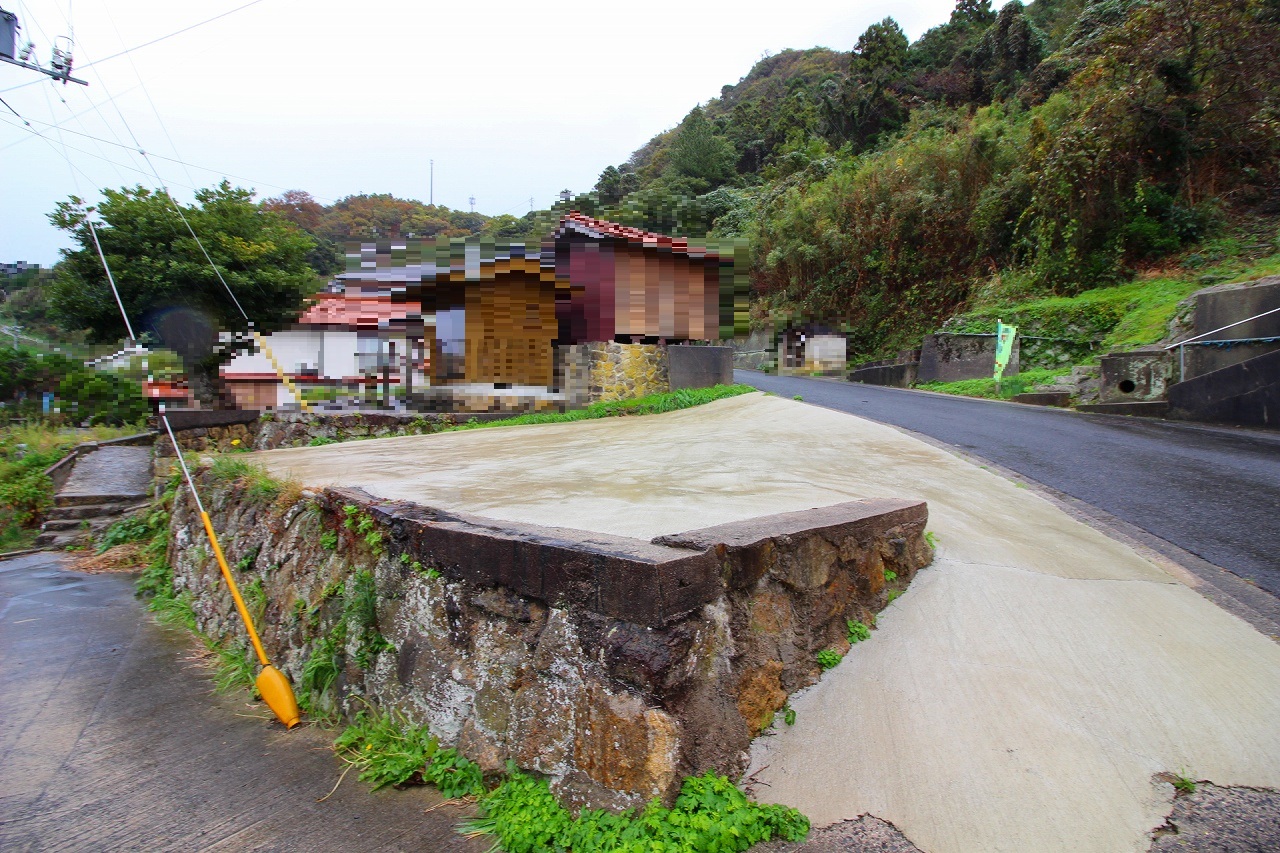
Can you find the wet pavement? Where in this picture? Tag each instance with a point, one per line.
(112, 738)
(110, 472)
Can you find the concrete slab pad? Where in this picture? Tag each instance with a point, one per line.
(1020, 696)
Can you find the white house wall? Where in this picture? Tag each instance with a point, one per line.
(295, 350)
(338, 355)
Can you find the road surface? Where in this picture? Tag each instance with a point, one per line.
(1214, 492)
(112, 738)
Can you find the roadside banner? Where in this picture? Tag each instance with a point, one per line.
(1004, 347)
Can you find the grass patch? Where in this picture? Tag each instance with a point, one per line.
(233, 668)
(390, 751)
(710, 814)
(986, 387)
(1127, 315)
(26, 450)
(654, 404)
(257, 482)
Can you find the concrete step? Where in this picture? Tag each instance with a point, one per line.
(58, 539)
(1145, 409)
(61, 532)
(95, 510)
(64, 524)
(1061, 399)
(65, 499)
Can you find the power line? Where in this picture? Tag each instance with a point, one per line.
(140, 46)
(115, 163)
(170, 35)
(140, 150)
(92, 108)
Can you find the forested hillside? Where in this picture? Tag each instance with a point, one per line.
(1041, 150)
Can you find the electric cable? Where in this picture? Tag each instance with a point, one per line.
(178, 161)
(144, 44)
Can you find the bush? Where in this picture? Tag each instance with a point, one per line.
(80, 394)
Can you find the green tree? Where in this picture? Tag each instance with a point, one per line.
(1009, 49)
(880, 54)
(167, 286)
(700, 154)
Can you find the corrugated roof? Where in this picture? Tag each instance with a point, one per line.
(598, 229)
(337, 310)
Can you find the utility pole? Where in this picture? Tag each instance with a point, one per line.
(15, 53)
(531, 204)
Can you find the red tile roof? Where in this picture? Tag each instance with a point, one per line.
(580, 222)
(356, 312)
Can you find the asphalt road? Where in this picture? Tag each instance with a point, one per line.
(112, 738)
(1214, 492)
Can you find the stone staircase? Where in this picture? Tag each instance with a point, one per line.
(107, 484)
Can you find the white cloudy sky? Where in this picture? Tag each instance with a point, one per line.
(511, 100)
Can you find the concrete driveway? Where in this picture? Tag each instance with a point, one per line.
(1023, 695)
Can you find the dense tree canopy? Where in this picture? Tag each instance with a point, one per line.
(167, 286)
(1057, 143)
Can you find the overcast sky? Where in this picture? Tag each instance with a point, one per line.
(511, 100)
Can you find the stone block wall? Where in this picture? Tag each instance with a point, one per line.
(613, 667)
(227, 431)
(608, 371)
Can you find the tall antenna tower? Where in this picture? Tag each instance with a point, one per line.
(473, 203)
(431, 197)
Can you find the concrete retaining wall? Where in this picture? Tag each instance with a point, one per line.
(699, 367)
(228, 431)
(1245, 394)
(615, 667)
(1138, 376)
(1219, 306)
(952, 357)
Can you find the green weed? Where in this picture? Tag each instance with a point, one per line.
(890, 575)
(857, 631)
(827, 658)
(1184, 784)
(931, 539)
(391, 751)
(710, 814)
(135, 528)
(324, 664)
(233, 668)
(788, 715)
(329, 540)
(1008, 387)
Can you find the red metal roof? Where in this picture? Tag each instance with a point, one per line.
(356, 312)
(648, 239)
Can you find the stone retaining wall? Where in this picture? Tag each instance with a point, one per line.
(612, 666)
(608, 371)
(246, 430)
